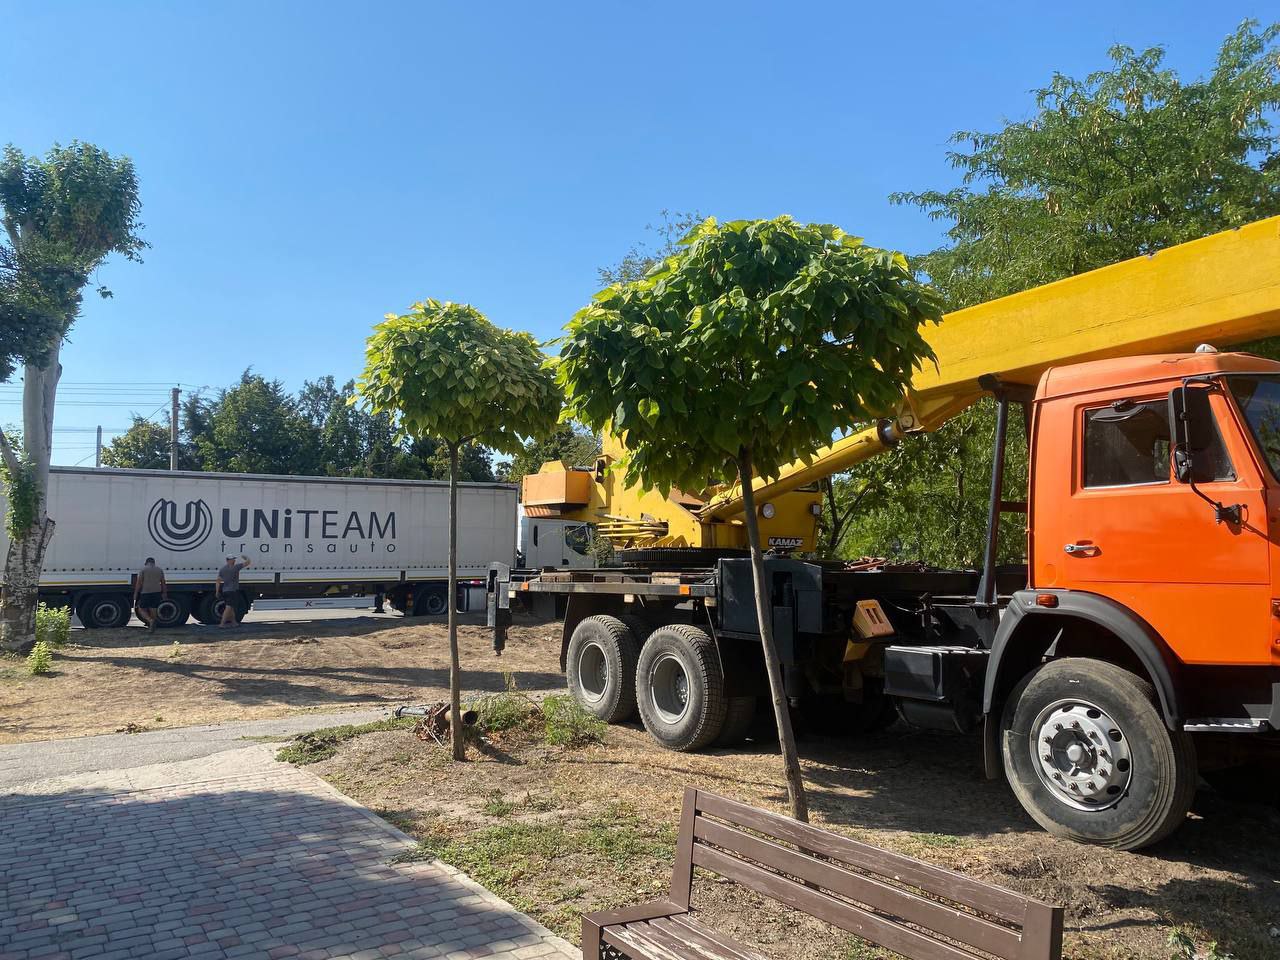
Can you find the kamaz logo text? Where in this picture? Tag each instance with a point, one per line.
(179, 535)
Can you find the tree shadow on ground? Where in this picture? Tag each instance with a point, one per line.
(1217, 873)
(173, 872)
(248, 685)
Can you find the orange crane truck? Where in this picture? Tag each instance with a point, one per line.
(1137, 648)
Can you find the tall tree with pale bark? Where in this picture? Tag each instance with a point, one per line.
(63, 215)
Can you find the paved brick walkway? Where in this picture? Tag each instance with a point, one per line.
(271, 863)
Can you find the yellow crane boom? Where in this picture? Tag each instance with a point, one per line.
(1223, 289)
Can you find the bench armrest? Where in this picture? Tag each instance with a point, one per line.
(593, 922)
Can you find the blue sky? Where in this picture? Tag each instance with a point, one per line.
(308, 167)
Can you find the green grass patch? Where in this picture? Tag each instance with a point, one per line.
(937, 840)
(568, 725)
(322, 744)
(497, 806)
(53, 625)
(503, 711)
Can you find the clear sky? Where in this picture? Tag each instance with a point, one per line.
(307, 167)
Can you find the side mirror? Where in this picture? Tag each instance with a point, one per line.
(1191, 427)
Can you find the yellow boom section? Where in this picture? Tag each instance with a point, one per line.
(1224, 289)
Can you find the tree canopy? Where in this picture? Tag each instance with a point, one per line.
(443, 371)
(768, 334)
(1127, 160)
(63, 215)
(342, 440)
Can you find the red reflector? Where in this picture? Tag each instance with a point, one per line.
(1046, 600)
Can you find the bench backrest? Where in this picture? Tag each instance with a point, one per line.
(917, 909)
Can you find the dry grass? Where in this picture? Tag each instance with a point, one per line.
(104, 680)
(560, 831)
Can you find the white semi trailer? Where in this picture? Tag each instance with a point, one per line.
(306, 536)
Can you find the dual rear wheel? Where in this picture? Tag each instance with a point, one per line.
(672, 676)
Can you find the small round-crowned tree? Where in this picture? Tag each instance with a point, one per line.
(747, 349)
(442, 370)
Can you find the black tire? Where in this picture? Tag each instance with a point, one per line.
(1247, 783)
(207, 609)
(104, 611)
(600, 667)
(432, 601)
(640, 628)
(174, 611)
(1097, 726)
(739, 719)
(680, 688)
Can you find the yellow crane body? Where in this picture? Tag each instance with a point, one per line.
(1223, 289)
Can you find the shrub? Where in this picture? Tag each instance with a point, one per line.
(53, 625)
(568, 724)
(40, 660)
(502, 711)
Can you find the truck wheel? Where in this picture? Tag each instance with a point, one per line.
(173, 612)
(1090, 758)
(600, 667)
(679, 687)
(431, 602)
(739, 718)
(104, 610)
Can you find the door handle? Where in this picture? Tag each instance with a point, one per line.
(1081, 549)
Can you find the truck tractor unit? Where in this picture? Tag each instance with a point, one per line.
(1136, 649)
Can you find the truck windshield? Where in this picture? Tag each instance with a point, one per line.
(1259, 400)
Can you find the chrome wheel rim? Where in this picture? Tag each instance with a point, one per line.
(1081, 754)
(669, 688)
(593, 672)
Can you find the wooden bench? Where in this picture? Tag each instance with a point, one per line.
(921, 911)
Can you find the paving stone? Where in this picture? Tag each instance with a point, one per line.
(251, 865)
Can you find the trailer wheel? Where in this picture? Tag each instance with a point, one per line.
(680, 688)
(600, 667)
(105, 610)
(207, 609)
(431, 601)
(174, 611)
(1090, 758)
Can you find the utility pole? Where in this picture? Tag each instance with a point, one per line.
(173, 431)
(97, 450)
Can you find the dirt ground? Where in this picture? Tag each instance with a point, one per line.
(105, 680)
(564, 831)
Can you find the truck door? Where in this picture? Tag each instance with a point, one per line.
(1110, 518)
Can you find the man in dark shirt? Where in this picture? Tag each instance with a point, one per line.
(149, 589)
(228, 587)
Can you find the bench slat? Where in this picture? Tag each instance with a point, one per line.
(864, 923)
(948, 921)
(634, 940)
(981, 896)
(706, 938)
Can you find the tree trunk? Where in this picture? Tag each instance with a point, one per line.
(764, 617)
(20, 592)
(25, 557)
(455, 672)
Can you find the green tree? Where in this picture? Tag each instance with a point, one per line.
(1126, 161)
(255, 427)
(145, 446)
(643, 256)
(742, 352)
(443, 371)
(572, 443)
(63, 216)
